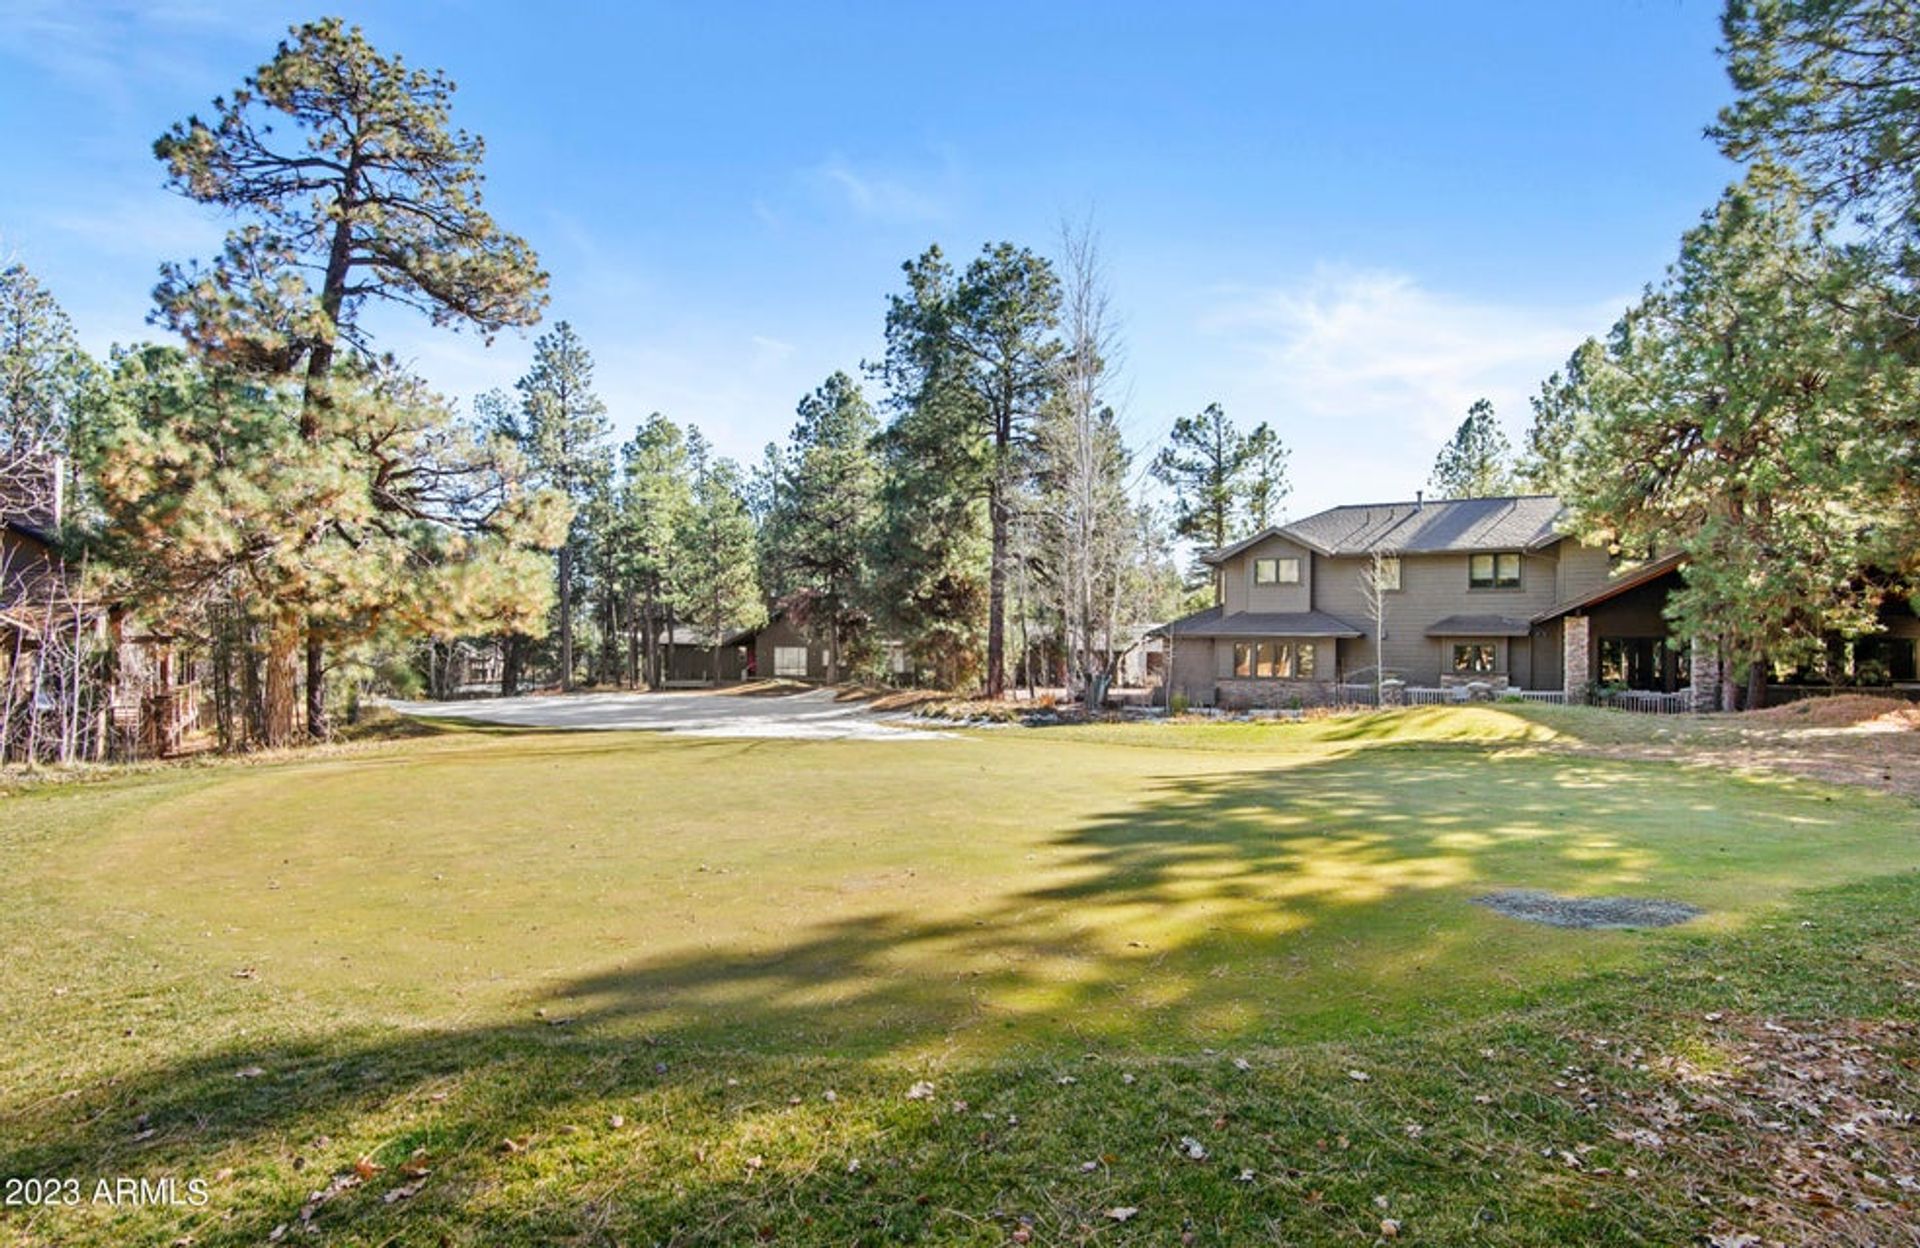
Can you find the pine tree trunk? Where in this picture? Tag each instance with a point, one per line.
(511, 651)
(253, 712)
(669, 671)
(997, 593)
(566, 618)
(650, 634)
(318, 728)
(833, 646)
(1757, 684)
(633, 643)
(281, 714)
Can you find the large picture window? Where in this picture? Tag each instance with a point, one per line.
(1493, 571)
(1273, 660)
(1276, 571)
(789, 660)
(1475, 658)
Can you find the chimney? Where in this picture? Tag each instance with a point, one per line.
(1419, 499)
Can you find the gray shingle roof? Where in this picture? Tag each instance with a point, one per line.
(1523, 522)
(1212, 623)
(1478, 626)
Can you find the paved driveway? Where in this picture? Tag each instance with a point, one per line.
(813, 714)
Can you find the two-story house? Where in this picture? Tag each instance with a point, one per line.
(1470, 587)
(1485, 589)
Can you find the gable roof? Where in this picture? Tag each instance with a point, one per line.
(1646, 574)
(1437, 526)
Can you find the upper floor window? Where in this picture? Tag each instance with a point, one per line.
(1390, 572)
(1276, 571)
(1493, 571)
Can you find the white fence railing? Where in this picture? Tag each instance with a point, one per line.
(1552, 697)
(1646, 702)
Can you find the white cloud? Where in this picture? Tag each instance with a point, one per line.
(884, 195)
(144, 225)
(1365, 372)
(104, 48)
(769, 353)
(1377, 345)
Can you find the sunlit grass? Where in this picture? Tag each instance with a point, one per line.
(447, 942)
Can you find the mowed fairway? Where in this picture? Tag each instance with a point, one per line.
(374, 928)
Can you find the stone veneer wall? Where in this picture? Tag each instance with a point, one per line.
(1239, 694)
(1703, 671)
(1576, 666)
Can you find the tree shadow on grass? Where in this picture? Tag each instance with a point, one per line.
(1318, 899)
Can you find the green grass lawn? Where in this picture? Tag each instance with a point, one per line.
(496, 946)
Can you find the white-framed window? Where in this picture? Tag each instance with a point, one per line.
(1390, 572)
(789, 660)
(1493, 571)
(1276, 571)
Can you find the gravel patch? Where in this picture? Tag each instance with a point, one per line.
(1537, 906)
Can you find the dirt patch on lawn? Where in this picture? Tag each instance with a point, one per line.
(1536, 906)
(1846, 710)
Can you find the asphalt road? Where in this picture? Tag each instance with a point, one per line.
(812, 715)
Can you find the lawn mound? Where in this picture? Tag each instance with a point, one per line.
(1538, 906)
(1846, 710)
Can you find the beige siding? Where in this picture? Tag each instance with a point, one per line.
(1583, 569)
(1193, 673)
(1433, 587)
(1243, 595)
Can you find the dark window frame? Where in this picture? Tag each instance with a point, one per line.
(1273, 562)
(1299, 658)
(1472, 652)
(1495, 579)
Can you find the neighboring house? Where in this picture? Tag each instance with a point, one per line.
(29, 559)
(76, 681)
(788, 647)
(686, 653)
(1487, 590)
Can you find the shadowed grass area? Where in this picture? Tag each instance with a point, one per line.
(450, 942)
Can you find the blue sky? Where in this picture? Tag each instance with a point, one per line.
(1350, 224)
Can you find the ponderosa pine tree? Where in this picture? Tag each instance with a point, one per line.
(1558, 410)
(44, 376)
(206, 483)
(1206, 463)
(1268, 483)
(1737, 418)
(1827, 89)
(715, 542)
(823, 503)
(931, 549)
(984, 338)
(1477, 461)
(565, 430)
(340, 161)
(656, 496)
